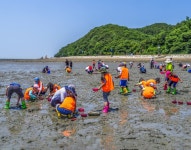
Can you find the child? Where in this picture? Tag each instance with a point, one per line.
(15, 88)
(31, 93)
(52, 88)
(62, 93)
(46, 70)
(89, 69)
(94, 65)
(148, 92)
(153, 82)
(68, 69)
(68, 106)
(173, 80)
(107, 86)
(142, 83)
(143, 69)
(124, 78)
(41, 89)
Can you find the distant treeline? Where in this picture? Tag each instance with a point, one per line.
(110, 39)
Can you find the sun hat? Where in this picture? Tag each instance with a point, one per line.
(103, 70)
(122, 64)
(168, 60)
(71, 87)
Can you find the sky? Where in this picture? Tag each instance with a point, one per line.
(31, 29)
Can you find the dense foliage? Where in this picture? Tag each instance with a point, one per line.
(159, 38)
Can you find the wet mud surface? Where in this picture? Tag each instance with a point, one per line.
(132, 122)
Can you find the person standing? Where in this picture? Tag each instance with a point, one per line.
(71, 64)
(169, 65)
(152, 63)
(94, 65)
(107, 85)
(168, 70)
(67, 63)
(124, 78)
(173, 80)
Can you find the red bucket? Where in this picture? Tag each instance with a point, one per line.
(81, 109)
(174, 102)
(83, 115)
(95, 89)
(180, 103)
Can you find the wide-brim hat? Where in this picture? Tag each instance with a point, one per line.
(168, 60)
(122, 64)
(71, 88)
(103, 69)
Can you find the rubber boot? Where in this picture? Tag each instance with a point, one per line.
(125, 90)
(168, 90)
(121, 90)
(7, 105)
(70, 116)
(58, 113)
(105, 109)
(174, 91)
(23, 105)
(128, 90)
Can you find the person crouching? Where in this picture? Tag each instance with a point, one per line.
(148, 92)
(68, 106)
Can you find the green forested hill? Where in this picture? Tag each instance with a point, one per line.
(159, 38)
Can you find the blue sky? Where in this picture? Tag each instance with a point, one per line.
(36, 28)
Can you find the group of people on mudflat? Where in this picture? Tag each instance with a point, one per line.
(63, 99)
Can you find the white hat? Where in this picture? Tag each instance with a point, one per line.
(168, 60)
(35, 86)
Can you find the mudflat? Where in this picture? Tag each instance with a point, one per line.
(131, 123)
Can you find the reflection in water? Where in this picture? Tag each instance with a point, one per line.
(123, 117)
(148, 106)
(107, 138)
(170, 110)
(123, 111)
(15, 121)
(68, 133)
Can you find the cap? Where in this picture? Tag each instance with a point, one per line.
(36, 79)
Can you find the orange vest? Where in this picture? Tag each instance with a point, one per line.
(55, 88)
(69, 103)
(26, 94)
(41, 84)
(148, 82)
(68, 70)
(143, 83)
(148, 92)
(109, 85)
(174, 78)
(124, 73)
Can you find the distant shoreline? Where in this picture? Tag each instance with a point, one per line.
(135, 58)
